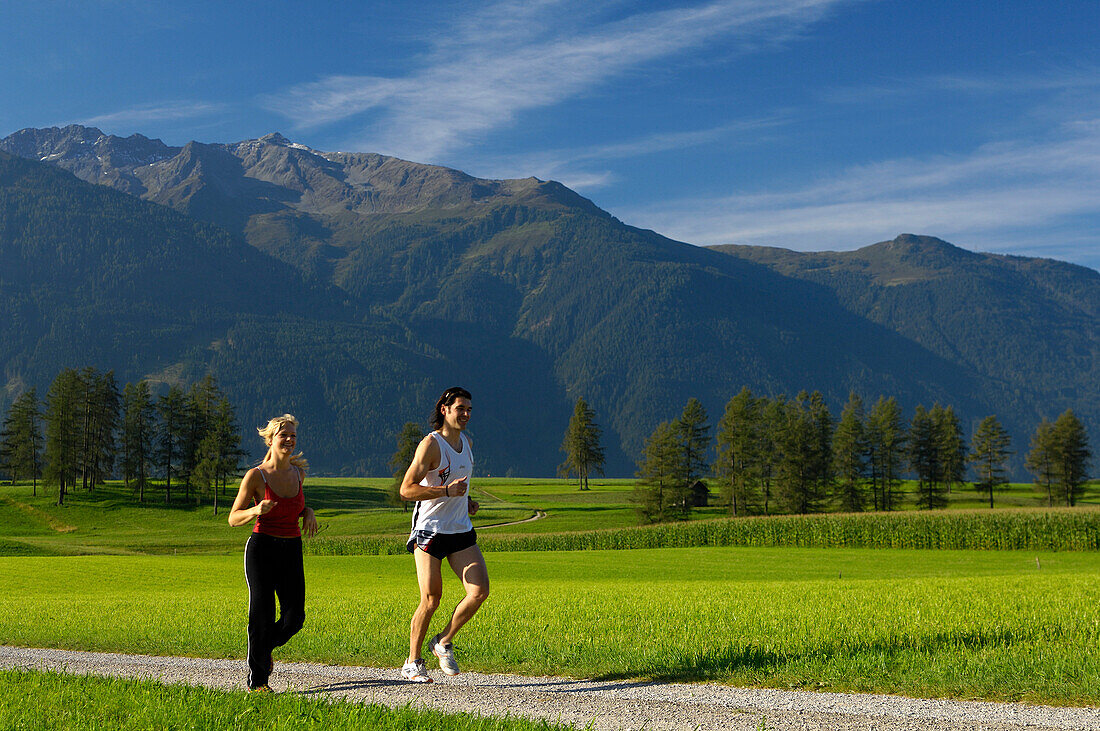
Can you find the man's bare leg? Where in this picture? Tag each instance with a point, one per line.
(469, 565)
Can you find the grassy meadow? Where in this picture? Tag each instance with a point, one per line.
(109, 520)
(1001, 625)
(39, 701)
(111, 575)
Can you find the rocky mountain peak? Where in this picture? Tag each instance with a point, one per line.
(274, 138)
(273, 173)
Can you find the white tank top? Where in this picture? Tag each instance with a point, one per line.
(446, 514)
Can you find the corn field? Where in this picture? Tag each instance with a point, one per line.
(1041, 530)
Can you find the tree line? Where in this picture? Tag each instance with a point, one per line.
(86, 430)
(791, 455)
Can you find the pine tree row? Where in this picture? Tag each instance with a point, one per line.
(792, 456)
(86, 430)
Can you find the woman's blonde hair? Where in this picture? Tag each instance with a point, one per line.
(268, 433)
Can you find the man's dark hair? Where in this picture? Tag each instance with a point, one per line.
(449, 397)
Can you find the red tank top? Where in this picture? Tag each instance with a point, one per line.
(282, 520)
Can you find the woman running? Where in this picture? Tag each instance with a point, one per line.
(273, 554)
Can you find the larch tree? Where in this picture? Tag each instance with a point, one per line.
(218, 453)
(989, 450)
(104, 424)
(950, 445)
(850, 455)
(924, 460)
(740, 451)
(172, 423)
(63, 431)
(198, 415)
(407, 441)
(1042, 459)
(1072, 456)
(886, 441)
(798, 458)
(138, 420)
(581, 445)
(661, 490)
(694, 435)
(21, 440)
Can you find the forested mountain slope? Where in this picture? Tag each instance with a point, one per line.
(1029, 327)
(422, 277)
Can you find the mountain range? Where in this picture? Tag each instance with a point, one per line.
(351, 288)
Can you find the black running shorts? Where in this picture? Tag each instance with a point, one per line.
(441, 545)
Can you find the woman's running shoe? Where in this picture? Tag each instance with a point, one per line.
(415, 671)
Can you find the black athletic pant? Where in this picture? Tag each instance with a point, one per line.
(272, 566)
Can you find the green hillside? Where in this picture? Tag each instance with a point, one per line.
(1028, 328)
(362, 285)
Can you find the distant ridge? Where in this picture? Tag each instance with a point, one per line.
(273, 169)
(1022, 324)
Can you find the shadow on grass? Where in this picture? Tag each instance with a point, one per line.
(569, 685)
(18, 548)
(115, 496)
(351, 685)
(731, 660)
(343, 498)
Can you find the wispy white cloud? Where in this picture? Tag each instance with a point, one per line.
(1051, 80)
(167, 111)
(583, 168)
(1000, 192)
(514, 57)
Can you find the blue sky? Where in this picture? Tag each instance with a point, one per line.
(808, 124)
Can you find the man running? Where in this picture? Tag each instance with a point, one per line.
(438, 480)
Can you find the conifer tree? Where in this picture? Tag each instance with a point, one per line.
(204, 472)
(172, 422)
(924, 460)
(218, 453)
(990, 449)
(137, 435)
(581, 445)
(1042, 459)
(88, 377)
(407, 441)
(799, 461)
(63, 427)
(198, 414)
(229, 442)
(694, 435)
(1072, 456)
(21, 440)
(661, 492)
(886, 440)
(773, 414)
(103, 426)
(950, 445)
(850, 455)
(741, 454)
(822, 424)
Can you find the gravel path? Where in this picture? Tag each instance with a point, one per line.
(611, 705)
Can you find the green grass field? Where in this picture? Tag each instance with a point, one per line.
(109, 520)
(1011, 625)
(37, 701)
(995, 625)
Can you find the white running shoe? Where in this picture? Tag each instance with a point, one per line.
(415, 671)
(446, 655)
